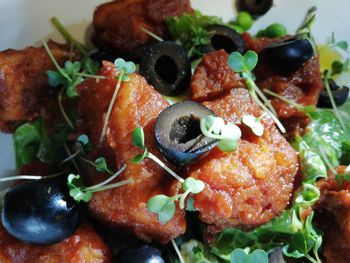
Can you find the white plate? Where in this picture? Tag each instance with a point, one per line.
(26, 22)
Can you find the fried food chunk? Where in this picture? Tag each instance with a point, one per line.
(213, 77)
(85, 245)
(118, 24)
(137, 105)
(249, 186)
(302, 86)
(333, 217)
(24, 87)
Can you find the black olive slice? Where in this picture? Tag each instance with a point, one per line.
(254, 7)
(166, 67)
(340, 95)
(225, 38)
(289, 54)
(40, 212)
(178, 135)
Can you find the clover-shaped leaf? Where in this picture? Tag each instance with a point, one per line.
(128, 67)
(193, 185)
(257, 256)
(78, 194)
(231, 131)
(250, 60)
(254, 124)
(236, 62)
(83, 139)
(163, 206)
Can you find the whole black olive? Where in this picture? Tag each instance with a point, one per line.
(254, 7)
(225, 38)
(289, 54)
(340, 95)
(178, 135)
(166, 66)
(40, 212)
(143, 254)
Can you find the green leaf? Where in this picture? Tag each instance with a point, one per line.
(78, 194)
(101, 165)
(74, 181)
(343, 45)
(193, 185)
(190, 205)
(250, 60)
(71, 91)
(258, 256)
(228, 145)
(128, 67)
(163, 206)
(83, 139)
(236, 62)
(138, 137)
(239, 256)
(90, 66)
(337, 67)
(54, 78)
(140, 157)
(254, 124)
(194, 251)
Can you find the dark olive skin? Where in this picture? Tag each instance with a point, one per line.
(289, 54)
(143, 254)
(166, 67)
(40, 212)
(178, 135)
(225, 38)
(254, 7)
(340, 95)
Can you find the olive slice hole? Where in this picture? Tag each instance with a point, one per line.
(223, 42)
(185, 129)
(166, 69)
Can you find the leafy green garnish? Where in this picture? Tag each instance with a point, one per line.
(244, 64)
(333, 43)
(254, 124)
(240, 256)
(32, 142)
(227, 134)
(196, 252)
(190, 30)
(338, 66)
(163, 206)
(101, 165)
(124, 70)
(79, 192)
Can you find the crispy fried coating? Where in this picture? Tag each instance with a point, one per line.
(213, 77)
(302, 86)
(24, 87)
(85, 245)
(137, 105)
(118, 24)
(333, 217)
(249, 186)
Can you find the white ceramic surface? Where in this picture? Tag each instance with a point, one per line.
(26, 22)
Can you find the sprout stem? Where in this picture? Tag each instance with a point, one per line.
(28, 177)
(156, 37)
(67, 36)
(111, 104)
(94, 187)
(111, 186)
(165, 167)
(65, 116)
(181, 259)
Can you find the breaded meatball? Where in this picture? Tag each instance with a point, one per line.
(333, 217)
(24, 87)
(137, 105)
(85, 245)
(118, 24)
(251, 185)
(213, 77)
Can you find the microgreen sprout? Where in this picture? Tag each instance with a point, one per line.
(305, 109)
(150, 33)
(68, 37)
(333, 43)
(241, 256)
(334, 105)
(79, 192)
(244, 64)
(100, 164)
(164, 206)
(227, 134)
(28, 177)
(124, 69)
(254, 123)
(304, 30)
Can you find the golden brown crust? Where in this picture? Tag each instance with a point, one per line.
(137, 105)
(85, 245)
(247, 187)
(118, 24)
(24, 88)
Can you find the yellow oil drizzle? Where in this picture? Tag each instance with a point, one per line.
(327, 56)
